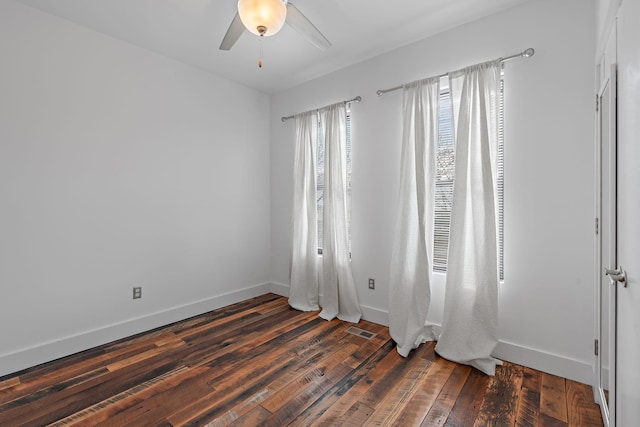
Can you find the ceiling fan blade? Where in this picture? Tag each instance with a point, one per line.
(301, 24)
(234, 32)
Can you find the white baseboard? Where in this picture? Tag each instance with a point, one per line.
(514, 353)
(12, 362)
(371, 314)
(46, 352)
(279, 289)
(375, 315)
(554, 364)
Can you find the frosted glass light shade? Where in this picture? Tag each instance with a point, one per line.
(262, 13)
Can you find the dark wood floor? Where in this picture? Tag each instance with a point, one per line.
(261, 363)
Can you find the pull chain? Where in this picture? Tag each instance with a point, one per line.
(262, 30)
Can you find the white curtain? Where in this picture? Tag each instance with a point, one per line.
(339, 298)
(303, 292)
(338, 288)
(470, 320)
(410, 271)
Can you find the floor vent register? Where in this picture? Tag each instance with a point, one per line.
(361, 332)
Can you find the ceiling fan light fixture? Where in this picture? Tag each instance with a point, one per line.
(256, 15)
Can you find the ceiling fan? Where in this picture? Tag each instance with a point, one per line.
(266, 18)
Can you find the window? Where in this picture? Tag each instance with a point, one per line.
(445, 177)
(320, 182)
(444, 183)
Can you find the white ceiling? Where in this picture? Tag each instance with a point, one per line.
(191, 31)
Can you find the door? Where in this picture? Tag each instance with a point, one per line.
(628, 247)
(606, 254)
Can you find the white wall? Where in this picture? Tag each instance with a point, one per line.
(120, 168)
(605, 15)
(546, 302)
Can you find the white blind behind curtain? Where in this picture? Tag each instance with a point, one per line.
(330, 274)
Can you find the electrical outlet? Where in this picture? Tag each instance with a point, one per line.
(137, 292)
(372, 283)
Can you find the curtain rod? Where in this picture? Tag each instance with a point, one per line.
(356, 99)
(524, 54)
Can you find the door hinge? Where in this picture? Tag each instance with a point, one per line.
(597, 226)
(597, 103)
(595, 347)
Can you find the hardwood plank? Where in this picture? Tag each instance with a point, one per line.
(314, 369)
(528, 413)
(61, 373)
(357, 415)
(301, 400)
(388, 409)
(247, 380)
(245, 411)
(468, 403)
(20, 398)
(56, 406)
(332, 410)
(240, 357)
(244, 307)
(111, 410)
(252, 418)
(278, 393)
(382, 378)
(259, 362)
(501, 400)
(157, 405)
(553, 400)
(141, 357)
(363, 353)
(547, 421)
(582, 410)
(375, 373)
(161, 402)
(24, 404)
(230, 344)
(441, 408)
(422, 401)
(9, 383)
(337, 401)
(233, 321)
(532, 379)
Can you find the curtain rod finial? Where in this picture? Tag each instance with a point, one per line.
(379, 93)
(529, 52)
